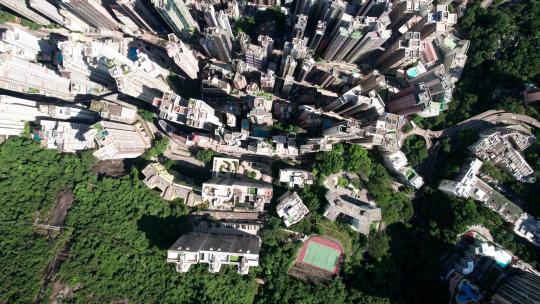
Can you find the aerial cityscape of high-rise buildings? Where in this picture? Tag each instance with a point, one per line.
(257, 82)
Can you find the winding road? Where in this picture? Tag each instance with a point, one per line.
(479, 122)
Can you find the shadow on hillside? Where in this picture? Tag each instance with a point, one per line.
(162, 232)
(409, 273)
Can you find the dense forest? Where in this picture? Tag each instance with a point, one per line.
(117, 233)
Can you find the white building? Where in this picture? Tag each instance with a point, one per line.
(225, 193)
(20, 8)
(25, 77)
(528, 227)
(469, 185)
(465, 186)
(22, 44)
(118, 141)
(85, 64)
(290, 208)
(14, 113)
(65, 136)
(223, 22)
(182, 56)
(354, 102)
(46, 9)
(75, 112)
(502, 146)
(225, 167)
(143, 80)
(215, 250)
(295, 177)
(466, 264)
(193, 112)
(285, 146)
(362, 216)
(397, 162)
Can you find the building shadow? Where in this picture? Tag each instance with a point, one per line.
(161, 232)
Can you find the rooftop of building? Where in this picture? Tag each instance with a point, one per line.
(235, 244)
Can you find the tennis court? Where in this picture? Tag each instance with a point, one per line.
(321, 253)
(322, 256)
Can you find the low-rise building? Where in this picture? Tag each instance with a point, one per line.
(215, 250)
(225, 167)
(284, 146)
(261, 108)
(75, 112)
(362, 216)
(225, 193)
(156, 176)
(474, 248)
(295, 177)
(290, 208)
(115, 111)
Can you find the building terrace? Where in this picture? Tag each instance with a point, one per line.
(156, 176)
(225, 193)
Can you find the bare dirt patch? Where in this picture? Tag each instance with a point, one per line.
(61, 291)
(310, 273)
(64, 200)
(112, 167)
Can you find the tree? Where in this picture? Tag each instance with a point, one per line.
(357, 160)
(158, 147)
(205, 155)
(330, 162)
(146, 115)
(415, 149)
(378, 245)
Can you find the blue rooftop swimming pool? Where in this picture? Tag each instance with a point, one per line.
(467, 293)
(412, 72)
(132, 54)
(503, 265)
(260, 132)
